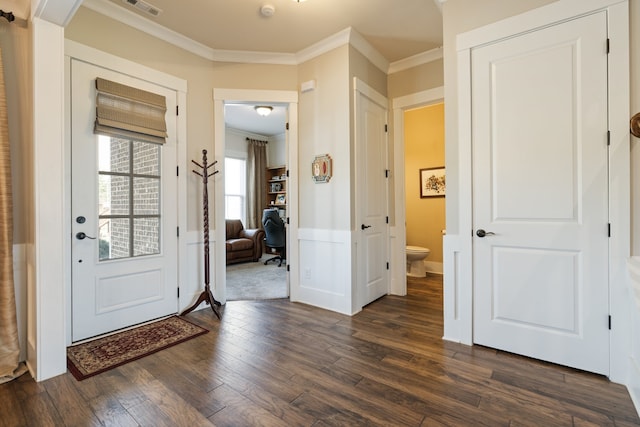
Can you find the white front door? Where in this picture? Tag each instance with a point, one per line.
(124, 216)
(371, 194)
(539, 129)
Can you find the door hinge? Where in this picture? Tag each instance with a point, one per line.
(178, 291)
(386, 173)
(287, 220)
(609, 322)
(287, 173)
(387, 219)
(287, 267)
(608, 137)
(387, 265)
(287, 126)
(608, 46)
(386, 128)
(177, 110)
(177, 170)
(609, 229)
(177, 231)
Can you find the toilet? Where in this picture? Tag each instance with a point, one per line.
(415, 261)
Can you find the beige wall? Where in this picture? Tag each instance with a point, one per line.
(323, 122)
(15, 43)
(424, 149)
(416, 79)
(202, 76)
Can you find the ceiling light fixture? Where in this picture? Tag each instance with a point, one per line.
(263, 110)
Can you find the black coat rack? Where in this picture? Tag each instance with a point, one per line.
(206, 294)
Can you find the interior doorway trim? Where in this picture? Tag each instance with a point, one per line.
(221, 97)
(459, 284)
(398, 232)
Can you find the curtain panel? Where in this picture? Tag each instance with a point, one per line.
(256, 181)
(10, 366)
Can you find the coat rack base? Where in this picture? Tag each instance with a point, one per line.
(207, 297)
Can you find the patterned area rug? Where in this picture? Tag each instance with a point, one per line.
(93, 357)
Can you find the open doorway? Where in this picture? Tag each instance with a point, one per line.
(281, 147)
(255, 170)
(410, 197)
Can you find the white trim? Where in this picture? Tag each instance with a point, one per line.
(551, 14)
(47, 306)
(55, 12)
(399, 231)
(619, 189)
(145, 25)
(370, 52)
(458, 325)
(221, 97)
(341, 38)
(416, 60)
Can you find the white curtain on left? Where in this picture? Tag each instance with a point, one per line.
(10, 366)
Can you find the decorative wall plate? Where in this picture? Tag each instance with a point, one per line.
(321, 168)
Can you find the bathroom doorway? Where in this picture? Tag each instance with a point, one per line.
(414, 208)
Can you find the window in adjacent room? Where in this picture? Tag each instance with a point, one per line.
(235, 188)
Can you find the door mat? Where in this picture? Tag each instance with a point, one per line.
(99, 355)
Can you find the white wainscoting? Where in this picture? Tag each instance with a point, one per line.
(633, 385)
(194, 284)
(325, 274)
(20, 283)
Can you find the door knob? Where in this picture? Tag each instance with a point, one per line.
(82, 235)
(362, 227)
(482, 233)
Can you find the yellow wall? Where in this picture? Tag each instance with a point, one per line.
(424, 148)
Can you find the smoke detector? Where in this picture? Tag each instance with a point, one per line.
(267, 10)
(144, 7)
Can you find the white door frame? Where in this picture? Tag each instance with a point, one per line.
(220, 98)
(459, 250)
(398, 232)
(124, 66)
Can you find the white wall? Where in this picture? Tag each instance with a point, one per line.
(277, 150)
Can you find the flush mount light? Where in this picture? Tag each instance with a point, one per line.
(263, 110)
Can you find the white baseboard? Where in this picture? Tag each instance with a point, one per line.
(434, 267)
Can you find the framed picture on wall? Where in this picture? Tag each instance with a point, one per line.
(432, 182)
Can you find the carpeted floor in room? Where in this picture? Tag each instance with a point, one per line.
(256, 281)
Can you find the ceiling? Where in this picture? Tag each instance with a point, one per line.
(397, 29)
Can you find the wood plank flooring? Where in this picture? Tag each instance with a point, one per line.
(275, 363)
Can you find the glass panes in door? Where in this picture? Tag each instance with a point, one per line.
(129, 198)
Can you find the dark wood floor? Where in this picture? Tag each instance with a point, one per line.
(274, 363)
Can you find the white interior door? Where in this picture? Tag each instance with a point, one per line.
(123, 199)
(539, 112)
(371, 194)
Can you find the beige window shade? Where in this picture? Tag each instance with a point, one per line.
(126, 112)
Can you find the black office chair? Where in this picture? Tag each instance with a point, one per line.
(276, 236)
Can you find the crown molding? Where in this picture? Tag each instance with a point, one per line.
(415, 60)
(56, 12)
(129, 18)
(323, 46)
(365, 48)
(346, 36)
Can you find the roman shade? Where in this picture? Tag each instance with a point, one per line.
(127, 112)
